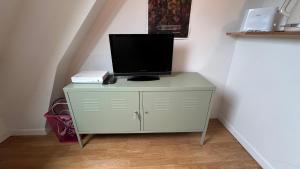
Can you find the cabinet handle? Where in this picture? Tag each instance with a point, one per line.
(138, 115)
(146, 112)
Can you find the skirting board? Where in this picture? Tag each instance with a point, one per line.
(26, 132)
(3, 137)
(263, 162)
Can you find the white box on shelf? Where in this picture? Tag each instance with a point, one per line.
(259, 20)
(89, 77)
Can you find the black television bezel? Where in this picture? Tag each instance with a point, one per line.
(141, 73)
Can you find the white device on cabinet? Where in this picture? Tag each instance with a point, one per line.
(89, 77)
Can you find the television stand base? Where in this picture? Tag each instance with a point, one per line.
(142, 78)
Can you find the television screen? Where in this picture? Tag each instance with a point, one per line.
(141, 54)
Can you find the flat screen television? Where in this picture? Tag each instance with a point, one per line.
(141, 56)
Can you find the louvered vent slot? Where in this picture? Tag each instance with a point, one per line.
(191, 103)
(161, 104)
(119, 104)
(91, 105)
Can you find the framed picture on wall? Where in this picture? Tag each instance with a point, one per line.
(169, 16)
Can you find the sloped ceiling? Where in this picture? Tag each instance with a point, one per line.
(84, 42)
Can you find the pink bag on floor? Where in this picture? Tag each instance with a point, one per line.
(60, 121)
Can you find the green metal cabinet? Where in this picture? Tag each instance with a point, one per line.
(180, 102)
(106, 112)
(182, 111)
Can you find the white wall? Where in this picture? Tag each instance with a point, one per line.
(8, 13)
(9, 10)
(41, 35)
(261, 102)
(207, 50)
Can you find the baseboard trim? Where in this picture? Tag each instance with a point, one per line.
(261, 160)
(26, 132)
(4, 136)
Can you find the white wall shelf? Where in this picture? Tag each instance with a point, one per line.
(265, 34)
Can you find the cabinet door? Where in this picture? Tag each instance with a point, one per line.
(105, 112)
(184, 111)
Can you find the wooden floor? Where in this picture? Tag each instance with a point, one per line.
(135, 151)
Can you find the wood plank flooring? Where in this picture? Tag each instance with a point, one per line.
(133, 151)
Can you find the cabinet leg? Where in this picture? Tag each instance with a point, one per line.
(79, 140)
(83, 140)
(202, 140)
(203, 134)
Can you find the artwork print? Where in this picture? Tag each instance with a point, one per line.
(169, 16)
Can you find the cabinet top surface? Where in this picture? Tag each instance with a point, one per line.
(174, 82)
